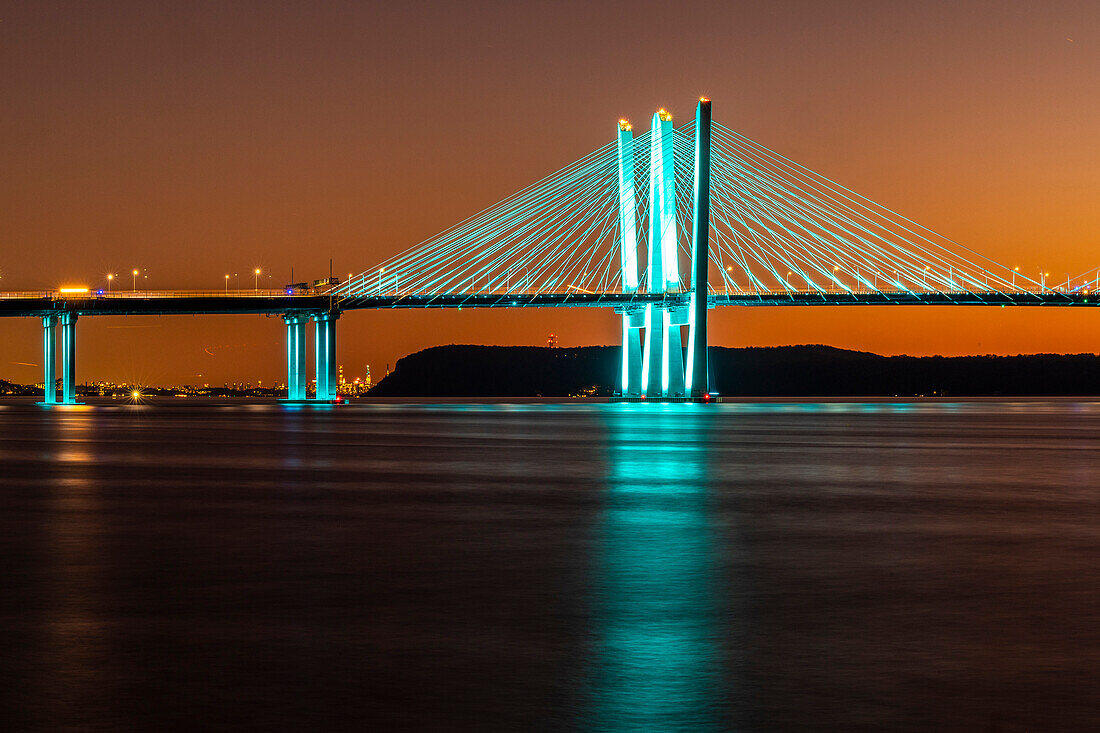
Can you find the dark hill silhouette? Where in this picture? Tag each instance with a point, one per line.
(796, 371)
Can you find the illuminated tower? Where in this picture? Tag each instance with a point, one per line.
(662, 370)
(663, 360)
(633, 320)
(696, 374)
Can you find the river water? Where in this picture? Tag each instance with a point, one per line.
(789, 566)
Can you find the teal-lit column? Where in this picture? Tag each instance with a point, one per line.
(662, 367)
(325, 354)
(296, 355)
(49, 360)
(68, 358)
(697, 374)
(632, 357)
(631, 385)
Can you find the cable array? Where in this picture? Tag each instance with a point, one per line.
(776, 227)
(558, 235)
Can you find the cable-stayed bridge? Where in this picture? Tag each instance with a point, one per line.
(660, 226)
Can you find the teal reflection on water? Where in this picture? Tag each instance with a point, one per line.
(657, 657)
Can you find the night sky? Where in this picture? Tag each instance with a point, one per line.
(195, 139)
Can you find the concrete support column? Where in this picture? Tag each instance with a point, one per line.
(653, 361)
(325, 354)
(68, 358)
(49, 360)
(296, 355)
(632, 357)
(672, 380)
(628, 263)
(698, 383)
(662, 362)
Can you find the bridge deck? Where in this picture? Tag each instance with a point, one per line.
(278, 302)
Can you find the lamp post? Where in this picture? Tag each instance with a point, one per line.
(134, 273)
(110, 277)
(227, 284)
(256, 279)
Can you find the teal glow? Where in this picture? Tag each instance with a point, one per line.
(628, 212)
(691, 344)
(626, 354)
(657, 660)
(665, 353)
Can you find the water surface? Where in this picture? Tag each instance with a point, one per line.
(788, 566)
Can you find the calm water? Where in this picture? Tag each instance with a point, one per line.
(924, 566)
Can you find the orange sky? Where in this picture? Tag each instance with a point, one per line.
(192, 139)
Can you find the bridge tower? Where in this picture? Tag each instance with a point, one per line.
(663, 361)
(633, 319)
(697, 373)
(662, 369)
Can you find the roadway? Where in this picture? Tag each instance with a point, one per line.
(171, 302)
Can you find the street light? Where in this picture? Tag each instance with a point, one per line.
(110, 277)
(134, 273)
(1014, 271)
(227, 284)
(256, 279)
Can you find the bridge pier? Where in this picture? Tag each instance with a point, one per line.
(68, 358)
(296, 355)
(325, 354)
(49, 360)
(673, 378)
(633, 322)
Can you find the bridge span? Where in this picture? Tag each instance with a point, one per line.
(747, 226)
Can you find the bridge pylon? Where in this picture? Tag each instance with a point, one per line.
(662, 368)
(633, 320)
(697, 372)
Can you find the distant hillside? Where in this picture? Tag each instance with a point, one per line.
(796, 371)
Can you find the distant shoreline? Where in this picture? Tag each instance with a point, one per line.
(469, 373)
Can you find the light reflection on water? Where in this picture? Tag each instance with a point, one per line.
(784, 565)
(657, 622)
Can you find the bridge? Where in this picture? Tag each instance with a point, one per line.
(746, 225)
